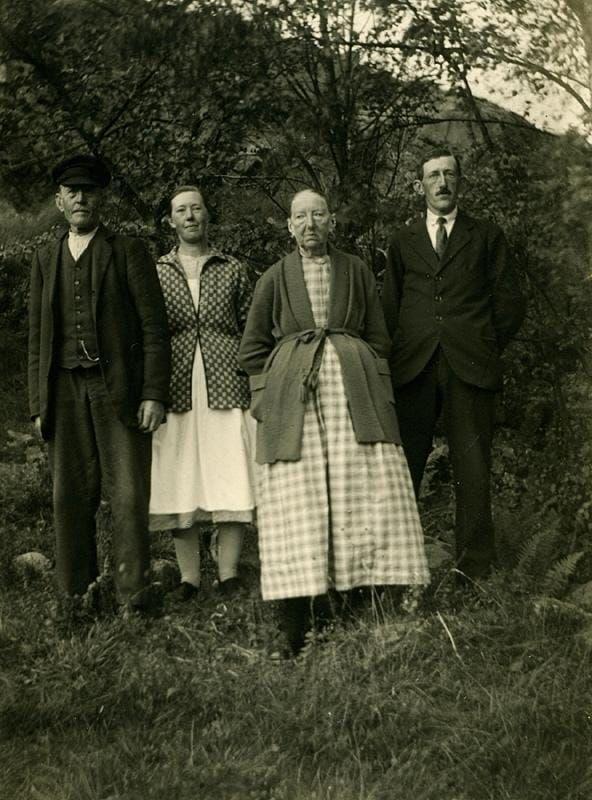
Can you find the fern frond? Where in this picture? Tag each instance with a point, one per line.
(557, 578)
(536, 554)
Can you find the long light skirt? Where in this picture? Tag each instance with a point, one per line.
(202, 464)
(345, 514)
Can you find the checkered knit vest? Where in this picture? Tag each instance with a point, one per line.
(224, 299)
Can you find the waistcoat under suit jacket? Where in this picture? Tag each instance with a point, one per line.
(281, 346)
(74, 335)
(224, 299)
(129, 320)
(468, 303)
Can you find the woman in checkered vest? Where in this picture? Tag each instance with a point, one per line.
(336, 508)
(202, 457)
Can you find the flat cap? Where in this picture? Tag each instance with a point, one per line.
(81, 170)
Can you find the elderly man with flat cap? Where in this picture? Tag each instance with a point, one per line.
(99, 365)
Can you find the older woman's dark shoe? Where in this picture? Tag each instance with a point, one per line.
(230, 587)
(184, 592)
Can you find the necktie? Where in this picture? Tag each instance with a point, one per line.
(441, 237)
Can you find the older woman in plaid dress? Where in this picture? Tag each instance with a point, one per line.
(336, 507)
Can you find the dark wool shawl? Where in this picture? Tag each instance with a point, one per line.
(281, 351)
(224, 299)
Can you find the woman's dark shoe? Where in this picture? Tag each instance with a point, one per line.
(229, 587)
(296, 621)
(184, 592)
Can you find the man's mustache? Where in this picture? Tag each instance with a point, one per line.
(443, 191)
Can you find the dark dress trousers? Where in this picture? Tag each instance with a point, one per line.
(449, 320)
(98, 346)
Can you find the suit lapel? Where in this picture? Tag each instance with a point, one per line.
(53, 265)
(419, 239)
(460, 236)
(101, 256)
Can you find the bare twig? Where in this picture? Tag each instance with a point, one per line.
(447, 629)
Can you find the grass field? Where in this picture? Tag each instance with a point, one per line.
(455, 697)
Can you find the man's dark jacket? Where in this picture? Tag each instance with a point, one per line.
(468, 302)
(129, 318)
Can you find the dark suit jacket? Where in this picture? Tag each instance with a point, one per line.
(130, 322)
(468, 303)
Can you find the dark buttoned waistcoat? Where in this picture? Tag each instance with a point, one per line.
(76, 342)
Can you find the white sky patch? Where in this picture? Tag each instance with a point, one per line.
(553, 109)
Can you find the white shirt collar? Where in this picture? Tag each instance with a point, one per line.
(78, 242)
(432, 219)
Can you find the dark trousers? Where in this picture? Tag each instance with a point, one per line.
(91, 451)
(468, 416)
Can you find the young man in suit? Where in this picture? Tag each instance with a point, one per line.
(451, 304)
(99, 365)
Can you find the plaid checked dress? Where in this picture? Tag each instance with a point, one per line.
(345, 514)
